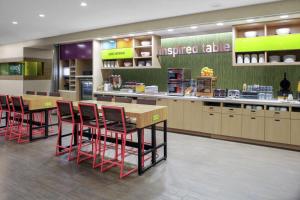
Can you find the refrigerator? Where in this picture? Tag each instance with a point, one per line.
(86, 89)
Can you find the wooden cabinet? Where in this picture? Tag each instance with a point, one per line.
(295, 127)
(253, 127)
(163, 102)
(278, 130)
(211, 122)
(192, 116)
(231, 125)
(175, 114)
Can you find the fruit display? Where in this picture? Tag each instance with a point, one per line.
(206, 71)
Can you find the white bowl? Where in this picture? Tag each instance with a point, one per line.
(274, 59)
(145, 53)
(127, 64)
(250, 34)
(145, 43)
(283, 31)
(289, 58)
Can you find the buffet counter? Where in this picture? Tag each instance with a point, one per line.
(265, 122)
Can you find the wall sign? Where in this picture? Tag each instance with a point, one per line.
(195, 49)
(113, 54)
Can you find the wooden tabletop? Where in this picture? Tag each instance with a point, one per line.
(145, 115)
(37, 102)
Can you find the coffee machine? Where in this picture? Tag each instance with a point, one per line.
(285, 88)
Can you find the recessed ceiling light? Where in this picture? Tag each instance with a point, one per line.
(220, 24)
(284, 16)
(14, 22)
(170, 30)
(150, 32)
(131, 34)
(83, 4)
(99, 39)
(193, 27)
(42, 15)
(250, 20)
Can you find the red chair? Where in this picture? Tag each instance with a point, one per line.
(65, 112)
(120, 127)
(5, 108)
(89, 117)
(20, 115)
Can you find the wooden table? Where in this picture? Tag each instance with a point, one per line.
(146, 116)
(38, 104)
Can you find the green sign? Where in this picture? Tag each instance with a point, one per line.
(113, 54)
(155, 118)
(48, 104)
(268, 43)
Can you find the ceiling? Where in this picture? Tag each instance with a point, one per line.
(67, 16)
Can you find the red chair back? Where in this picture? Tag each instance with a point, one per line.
(88, 112)
(65, 110)
(17, 104)
(114, 114)
(4, 103)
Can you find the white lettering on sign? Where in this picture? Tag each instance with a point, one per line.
(187, 50)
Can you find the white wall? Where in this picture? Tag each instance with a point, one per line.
(11, 87)
(11, 51)
(37, 85)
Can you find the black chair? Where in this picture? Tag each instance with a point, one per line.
(104, 98)
(146, 101)
(41, 93)
(123, 99)
(54, 94)
(30, 92)
(5, 108)
(66, 114)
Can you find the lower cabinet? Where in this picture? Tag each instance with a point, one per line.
(278, 130)
(231, 125)
(295, 132)
(162, 102)
(253, 127)
(192, 116)
(175, 114)
(211, 122)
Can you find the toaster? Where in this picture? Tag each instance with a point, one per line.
(235, 94)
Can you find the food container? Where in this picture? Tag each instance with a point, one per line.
(261, 58)
(145, 54)
(240, 58)
(259, 107)
(145, 43)
(246, 58)
(153, 89)
(274, 59)
(140, 88)
(283, 31)
(148, 63)
(289, 58)
(250, 34)
(127, 64)
(253, 58)
(141, 63)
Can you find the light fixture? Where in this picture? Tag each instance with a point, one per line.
(284, 16)
(220, 24)
(250, 20)
(150, 32)
(83, 4)
(99, 38)
(114, 36)
(14, 22)
(170, 30)
(193, 27)
(131, 34)
(42, 15)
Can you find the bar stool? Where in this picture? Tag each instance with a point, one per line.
(65, 112)
(54, 94)
(30, 92)
(20, 114)
(104, 98)
(5, 108)
(119, 127)
(41, 93)
(123, 99)
(89, 117)
(146, 101)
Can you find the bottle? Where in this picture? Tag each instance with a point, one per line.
(244, 87)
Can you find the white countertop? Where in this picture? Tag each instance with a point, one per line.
(209, 99)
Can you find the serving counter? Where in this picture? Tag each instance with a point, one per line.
(265, 122)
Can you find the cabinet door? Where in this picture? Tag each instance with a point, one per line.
(175, 114)
(211, 122)
(295, 132)
(231, 125)
(163, 102)
(253, 127)
(278, 130)
(192, 116)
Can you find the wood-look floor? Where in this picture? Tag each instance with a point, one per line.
(197, 168)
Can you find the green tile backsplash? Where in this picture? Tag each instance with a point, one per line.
(228, 76)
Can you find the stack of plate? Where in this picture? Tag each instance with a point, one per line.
(289, 58)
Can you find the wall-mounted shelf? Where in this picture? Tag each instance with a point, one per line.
(133, 67)
(267, 42)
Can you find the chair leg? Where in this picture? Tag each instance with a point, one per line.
(71, 143)
(79, 145)
(58, 139)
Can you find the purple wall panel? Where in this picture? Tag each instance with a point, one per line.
(82, 50)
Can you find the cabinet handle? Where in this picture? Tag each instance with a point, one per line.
(253, 111)
(211, 114)
(277, 120)
(231, 109)
(211, 108)
(175, 100)
(253, 118)
(231, 116)
(192, 101)
(277, 112)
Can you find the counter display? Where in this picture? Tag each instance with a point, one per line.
(266, 122)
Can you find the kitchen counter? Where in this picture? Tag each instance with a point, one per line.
(208, 99)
